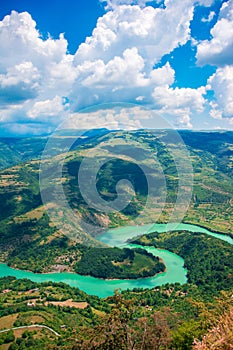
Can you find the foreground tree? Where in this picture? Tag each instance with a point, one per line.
(125, 328)
(220, 337)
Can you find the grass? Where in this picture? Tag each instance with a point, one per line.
(141, 263)
(8, 321)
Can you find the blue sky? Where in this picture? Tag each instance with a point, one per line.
(173, 57)
(76, 19)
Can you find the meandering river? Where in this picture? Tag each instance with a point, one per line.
(120, 237)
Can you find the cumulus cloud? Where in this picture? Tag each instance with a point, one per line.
(206, 3)
(116, 62)
(112, 117)
(154, 31)
(218, 50)
(29, 60)
(41, 84)
(20, 83)
(222, 84)
(169, 98)
(120, 79)
(179, 102)
(19, 39)
(32, 70)
(122, 71)
(47, 108)
(112, 4)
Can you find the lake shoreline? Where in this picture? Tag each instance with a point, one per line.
(209, 229)
(113, 229)
(78, 274)
(175, 271)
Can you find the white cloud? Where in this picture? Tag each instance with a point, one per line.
(114, 117)
(19, 39)
(169, 98)
(47, 108)
(63, 73)
(206, 3)
(115, 64)
(179, 102)
(154, 31)
(122, 71)
(222, 84)
(112, 4)
(19, 83)
(31, 60)
(32, 70)
(216, 114)
(23, 129)
(185, 121)
(209, 18)
(122, 79)
(218, 51)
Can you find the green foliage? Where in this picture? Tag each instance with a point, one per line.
(167, 317)
(118, 263)
(125, 329)
(7, 337)
(135, 319)
(208, 260)
(183, 337)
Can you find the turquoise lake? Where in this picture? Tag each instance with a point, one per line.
(120, 237)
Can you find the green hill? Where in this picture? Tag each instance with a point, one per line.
(167, 317)
(23, 218)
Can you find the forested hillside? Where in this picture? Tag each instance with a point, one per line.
(193, 316)
(25, 223)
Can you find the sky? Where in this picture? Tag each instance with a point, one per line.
(73, 61)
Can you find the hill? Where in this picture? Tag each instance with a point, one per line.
(15, 150)
(196, 315)
(23, 218)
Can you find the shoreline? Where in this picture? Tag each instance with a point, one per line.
(78, 274)
(183, 222)
(114, 279)
(209, 229)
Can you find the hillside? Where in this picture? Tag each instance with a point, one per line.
(15, 150)
(192, 316)
(25, 223)
(208, 260)
(168, 317)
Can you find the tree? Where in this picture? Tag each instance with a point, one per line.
(9, 337)
(219, 337)
(123, 329)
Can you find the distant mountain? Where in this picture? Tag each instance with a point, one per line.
(17, 150)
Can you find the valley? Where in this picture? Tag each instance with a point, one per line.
(78, 264)
(31, 240)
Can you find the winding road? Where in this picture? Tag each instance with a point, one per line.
(31, 326)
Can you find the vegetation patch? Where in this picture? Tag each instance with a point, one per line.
(118, 263)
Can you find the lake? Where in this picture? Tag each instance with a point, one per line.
(121, 237)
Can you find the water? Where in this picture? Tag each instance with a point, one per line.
(117, 237)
